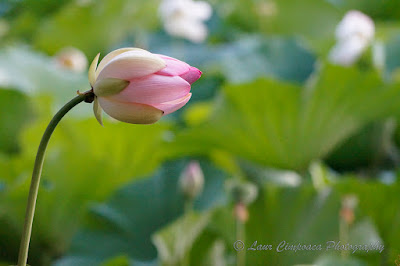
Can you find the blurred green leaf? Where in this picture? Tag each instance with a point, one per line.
(85, 162)
(176, 240)
(294, 216)
(95, 26)
(329, 260)
(382, 10)
(364, 232)
(302, 215)
(368, 147)
(15, 111)
(34, 73)
(392, 54)
(253, 57)
(379, 202)
(313, 19)
(126, 223)
(282, 125)
(208, 249)
(117, 261)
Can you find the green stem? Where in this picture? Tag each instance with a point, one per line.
(240, 235)
(343, 236)
(188, 208)
(37, 171)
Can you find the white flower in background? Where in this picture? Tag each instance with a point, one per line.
(185, 18)
(353, 34)
(72, 58)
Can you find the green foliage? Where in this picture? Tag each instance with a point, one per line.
(269, 110)
(284, 125)
(16, 112)
(123, 226)
(36, 74)
(174, 241)
(123, 151)
(268, 57)
(93, 27)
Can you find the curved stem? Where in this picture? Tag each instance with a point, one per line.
(37, 171)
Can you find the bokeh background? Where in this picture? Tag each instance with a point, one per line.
(294, 145)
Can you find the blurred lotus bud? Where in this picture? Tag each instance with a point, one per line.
(242, 192)
(240, 212)
(72, 58)
(135, 86)
(185, 18)
(191, 181)
(353, 34)
(349, 203)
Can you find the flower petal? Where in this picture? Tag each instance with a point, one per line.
(133, 113)
(132, 64)
(97, 110)
(172, 106)
(192, 30)
(347, 52)
(192, 75)
(92, 70)
(355, 23)
(199, 10)
(174, 67)
(111, 55)
(154, 89)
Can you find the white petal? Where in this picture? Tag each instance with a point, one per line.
(347, 52)
(97, 110)
(133, 113)
(200, 10)
(355, 23)
(92, 70)
(170, 7)
(132, 64)
(113, 54)
(192, 30)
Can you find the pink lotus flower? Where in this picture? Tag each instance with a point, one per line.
(135, 86)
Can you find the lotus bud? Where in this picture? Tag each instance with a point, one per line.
(191, 181)
(349, 203)
(185, 18)
(240, 212)
(135, 86)
(72, 59)
(353, 34)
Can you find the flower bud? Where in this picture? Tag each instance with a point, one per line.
(191, 181)
(349, 203)
(185, 18)
(72, 58)
(354, 34)
(135, 86)
(240, 212)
